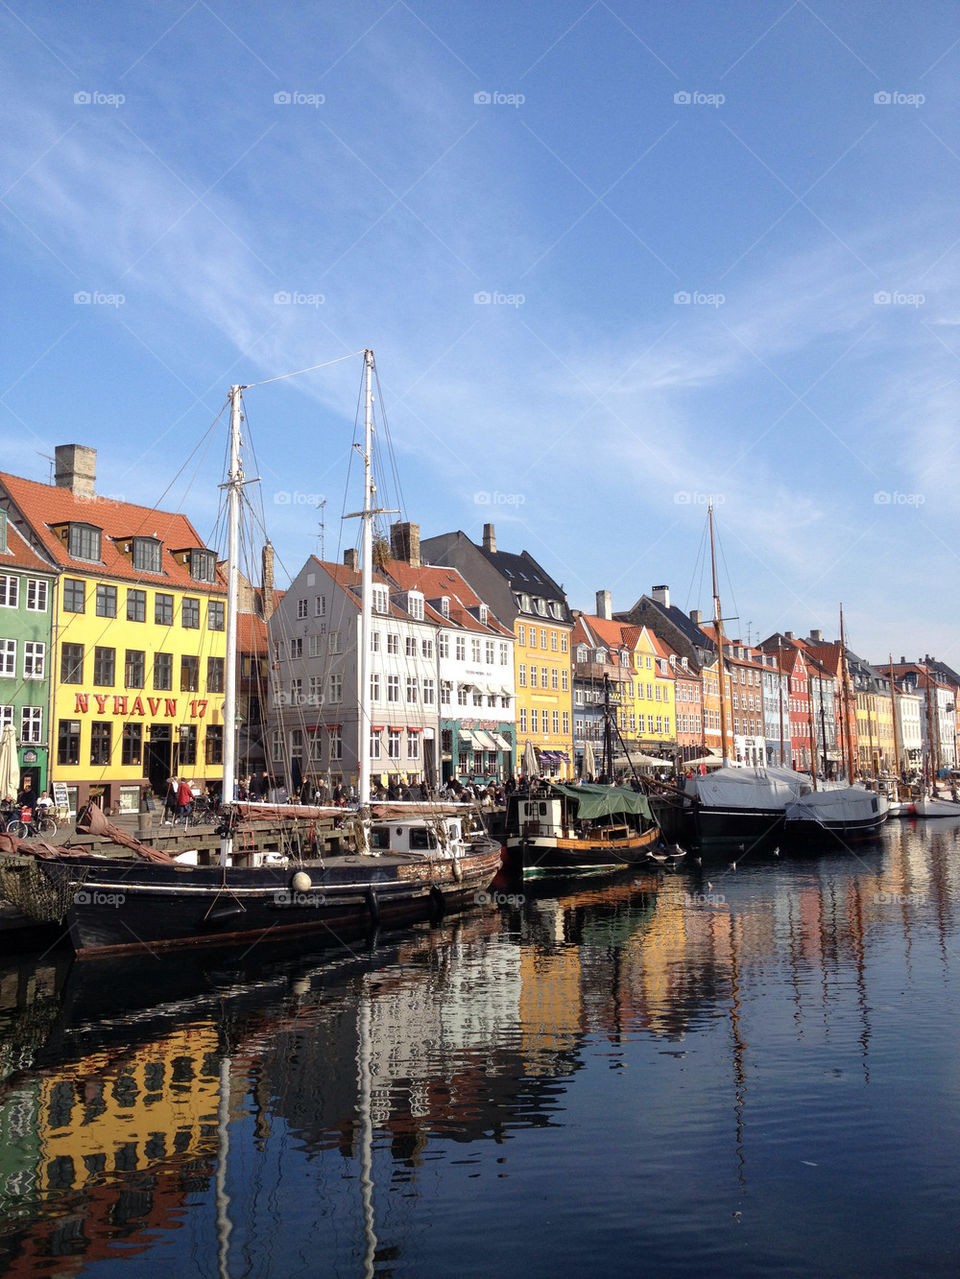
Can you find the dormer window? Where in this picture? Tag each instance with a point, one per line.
(146, 554)
(445, 606)
(83, 542)
(203, 564)
(542, 607)
(581, 652)
(601, 655)
(556, 609)
(415, 605)
(484, 614)
(525, 603)
(380, 599)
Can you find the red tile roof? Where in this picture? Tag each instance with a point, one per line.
(47, 505)
(19, 553)
(435, 581)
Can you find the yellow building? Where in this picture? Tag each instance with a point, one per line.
(139, 640)
(542, 667)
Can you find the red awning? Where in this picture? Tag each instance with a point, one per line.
(414, 729)
(376, 728)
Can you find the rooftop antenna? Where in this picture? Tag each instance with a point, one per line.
(322, 503)
(51, 460)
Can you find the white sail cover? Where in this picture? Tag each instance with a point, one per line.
(846, 806)
(749, 788)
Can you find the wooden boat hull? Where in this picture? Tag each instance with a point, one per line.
(121, 906)
(936, 807)
(546, 852)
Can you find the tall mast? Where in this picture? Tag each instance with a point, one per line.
(234, 487)
(780, 687)
(811, 716)
(718, 627)
(846, 699)
(366, 591)
(896, 731)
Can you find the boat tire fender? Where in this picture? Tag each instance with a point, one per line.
(438, 905)
(373, 906)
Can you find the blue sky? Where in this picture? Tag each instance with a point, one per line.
(790, 169)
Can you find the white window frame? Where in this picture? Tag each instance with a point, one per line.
(39, 589)
(9, 590)
(34, 659)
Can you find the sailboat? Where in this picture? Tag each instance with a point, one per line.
(848, 812)
(396, 869)
(733, 804)
(581, 826)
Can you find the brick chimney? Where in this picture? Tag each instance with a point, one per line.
(696, 616)
(350, 559)
(76, 469)
(266, 581)
(489, 538)
(788, 635)
(604, 606)
(817, 637)
(662, 595)
(405, 543)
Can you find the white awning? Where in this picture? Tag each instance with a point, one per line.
(484, 740)
(502, 743)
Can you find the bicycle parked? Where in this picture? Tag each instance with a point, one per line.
(28, 824)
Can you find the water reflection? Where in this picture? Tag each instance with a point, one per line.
(217, 1109)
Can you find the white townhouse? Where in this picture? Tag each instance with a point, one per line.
(314, 717)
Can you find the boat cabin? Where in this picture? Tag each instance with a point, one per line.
(412, 835)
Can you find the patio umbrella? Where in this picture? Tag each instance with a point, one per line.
(530, 765)
(9, 764)
(588, 769)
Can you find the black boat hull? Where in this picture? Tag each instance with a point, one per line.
(122, 907)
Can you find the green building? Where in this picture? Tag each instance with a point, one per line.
(26, 613)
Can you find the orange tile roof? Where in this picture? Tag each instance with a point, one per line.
(20, 554)
(436, 580)
(46, 505)
(251, 633)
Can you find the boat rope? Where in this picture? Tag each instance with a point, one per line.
(312, 369)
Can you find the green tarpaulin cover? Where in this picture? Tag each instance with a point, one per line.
(595, 801)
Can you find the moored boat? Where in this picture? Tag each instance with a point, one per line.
(579, 827)
(936, 806)
(391, 871)
(848, 812)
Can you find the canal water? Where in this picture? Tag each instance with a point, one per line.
(715, 1072)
